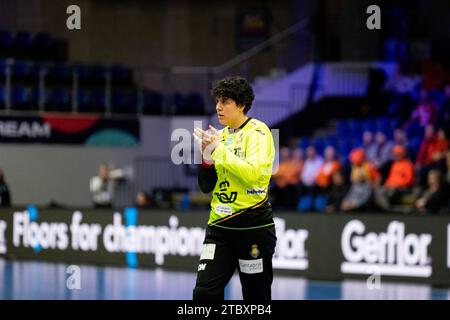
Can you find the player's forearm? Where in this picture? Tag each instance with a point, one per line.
(207, 179)
(247, 171)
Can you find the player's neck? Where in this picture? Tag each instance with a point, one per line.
(239, 121)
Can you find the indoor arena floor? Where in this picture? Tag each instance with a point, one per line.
(33, 280)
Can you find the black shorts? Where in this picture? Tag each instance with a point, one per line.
(250, 251)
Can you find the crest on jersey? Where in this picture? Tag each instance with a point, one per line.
(254, 252)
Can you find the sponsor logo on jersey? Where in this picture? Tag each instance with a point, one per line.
(256, 191)
(229, 141)
(223, 209)
(222, 196)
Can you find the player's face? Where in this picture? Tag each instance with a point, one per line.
(227, 111)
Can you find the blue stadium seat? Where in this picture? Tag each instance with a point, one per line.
(185, 203)
(342, 127)
(331, 140)
(21, 69)
(320, 203)
(20, 97)
(356, 142)
(415, 130)
(98, 73)
(60, 73)
(355, 127)
(305, 203)
(319, 144)
(369, 125)
(59, 99)
(121, 102)
(152, 102)
(84, 99)
(344, 147)
(84, 72)
(35, 97)
(383, 124)
(345, 161)
(98, 101)
(2, 96)
(395, 123)
(415, 143)
(304, 143)
(37, 67)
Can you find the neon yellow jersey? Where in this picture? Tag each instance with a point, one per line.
(243, 162)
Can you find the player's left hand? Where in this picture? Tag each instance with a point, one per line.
(210, 139)
(213, 135)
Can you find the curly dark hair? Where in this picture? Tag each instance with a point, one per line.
(236, 88)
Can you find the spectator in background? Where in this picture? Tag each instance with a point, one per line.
(400, 139)
(5, 197)
(102, 186)
(286, 178)
(435, 198)
(447, 167)
(328, 167)
(337, 192)
(424, 157)
(359, 197)
(143, 200)
(440, 149)
(281, 176)
(399, 181)
(310, 171)
(279, 179)
(361, 165)
(382, 158)
(296, 167)
(432, 153)
(369, 145)
(298, 162)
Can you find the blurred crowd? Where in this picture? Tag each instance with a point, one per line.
(406, 171)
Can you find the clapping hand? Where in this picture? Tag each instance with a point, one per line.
(209, 140)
